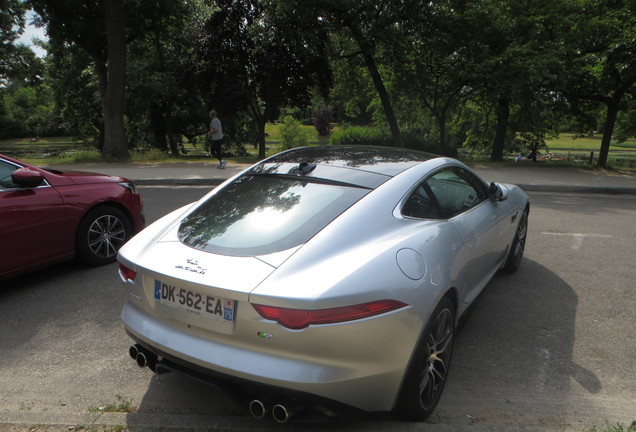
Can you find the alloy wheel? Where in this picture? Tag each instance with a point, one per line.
(438, 345)
(106, 235)
(522, 232)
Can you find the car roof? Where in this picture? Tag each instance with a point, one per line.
(366, 166)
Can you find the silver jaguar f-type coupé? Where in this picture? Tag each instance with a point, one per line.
(322, 277)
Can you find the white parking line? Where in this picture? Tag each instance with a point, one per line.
(578, 237)
(543, 367)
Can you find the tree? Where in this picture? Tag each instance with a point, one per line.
(323, 116)
(626, 121)
(368, 24)
(102, 30)
(353, 92)
(164, 101)
(521, 66)
(115, 143)
(259, 58)
(25, 107)
(435, 64)
(11, 25)
(80, 25)
(601, 60)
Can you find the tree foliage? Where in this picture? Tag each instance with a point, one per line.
(489, 74)
(11, 25)
(258, 58)
(600, 58)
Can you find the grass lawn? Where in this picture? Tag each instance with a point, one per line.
(568, 141)
(63, 150)
(574, 149)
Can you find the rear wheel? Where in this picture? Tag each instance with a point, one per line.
(102, 232)
(428, 372)
(518, 245)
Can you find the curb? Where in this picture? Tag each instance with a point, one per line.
(179, 182)
(602, 190)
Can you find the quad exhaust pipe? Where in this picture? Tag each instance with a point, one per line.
(258, 409)
(281, 413)
(143, 357)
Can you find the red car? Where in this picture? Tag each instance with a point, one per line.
(48, 216)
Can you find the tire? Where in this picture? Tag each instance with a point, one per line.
(100, 234)
(518, 245)
(428, 372)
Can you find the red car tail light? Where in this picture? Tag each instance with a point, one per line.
(300, 318)
(126, 274)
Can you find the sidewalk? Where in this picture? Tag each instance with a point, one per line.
(530, 177)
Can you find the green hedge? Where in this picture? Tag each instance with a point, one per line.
(360, 135)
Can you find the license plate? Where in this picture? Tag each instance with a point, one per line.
(218, 308)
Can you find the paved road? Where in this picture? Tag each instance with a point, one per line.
(548, 348)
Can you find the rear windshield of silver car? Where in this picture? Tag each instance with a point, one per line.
(260, 215)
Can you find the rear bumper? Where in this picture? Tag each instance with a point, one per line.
(242, 391)
(372, 385)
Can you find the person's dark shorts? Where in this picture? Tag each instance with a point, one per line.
(215, 146)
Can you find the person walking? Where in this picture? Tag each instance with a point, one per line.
(216, 136)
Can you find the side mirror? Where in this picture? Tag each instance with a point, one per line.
(26, 177)
(496, 193)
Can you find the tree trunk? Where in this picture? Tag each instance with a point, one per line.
(158, 124)
(99, 141)
(102, 71)
(372, 67)
(444, 150)
(610, 122)
(260, 124)
(503, 116)
(115, 142)
(441, 126)
(173, 138)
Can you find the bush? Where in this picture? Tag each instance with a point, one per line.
(292, 134)
(417, 140)
(359, 135)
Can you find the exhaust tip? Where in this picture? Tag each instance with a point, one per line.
(257, 409)
(142, 360)
(280, 413)
(134, 351)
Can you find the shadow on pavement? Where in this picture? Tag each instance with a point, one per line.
(513, 357)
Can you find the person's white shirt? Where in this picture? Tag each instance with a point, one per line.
(216, 129)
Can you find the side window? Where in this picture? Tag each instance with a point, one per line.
(457, 190)
(422, 204)
(6, 169)
(445, 194)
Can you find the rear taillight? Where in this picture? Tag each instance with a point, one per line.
(126, 274)
(301, 318)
